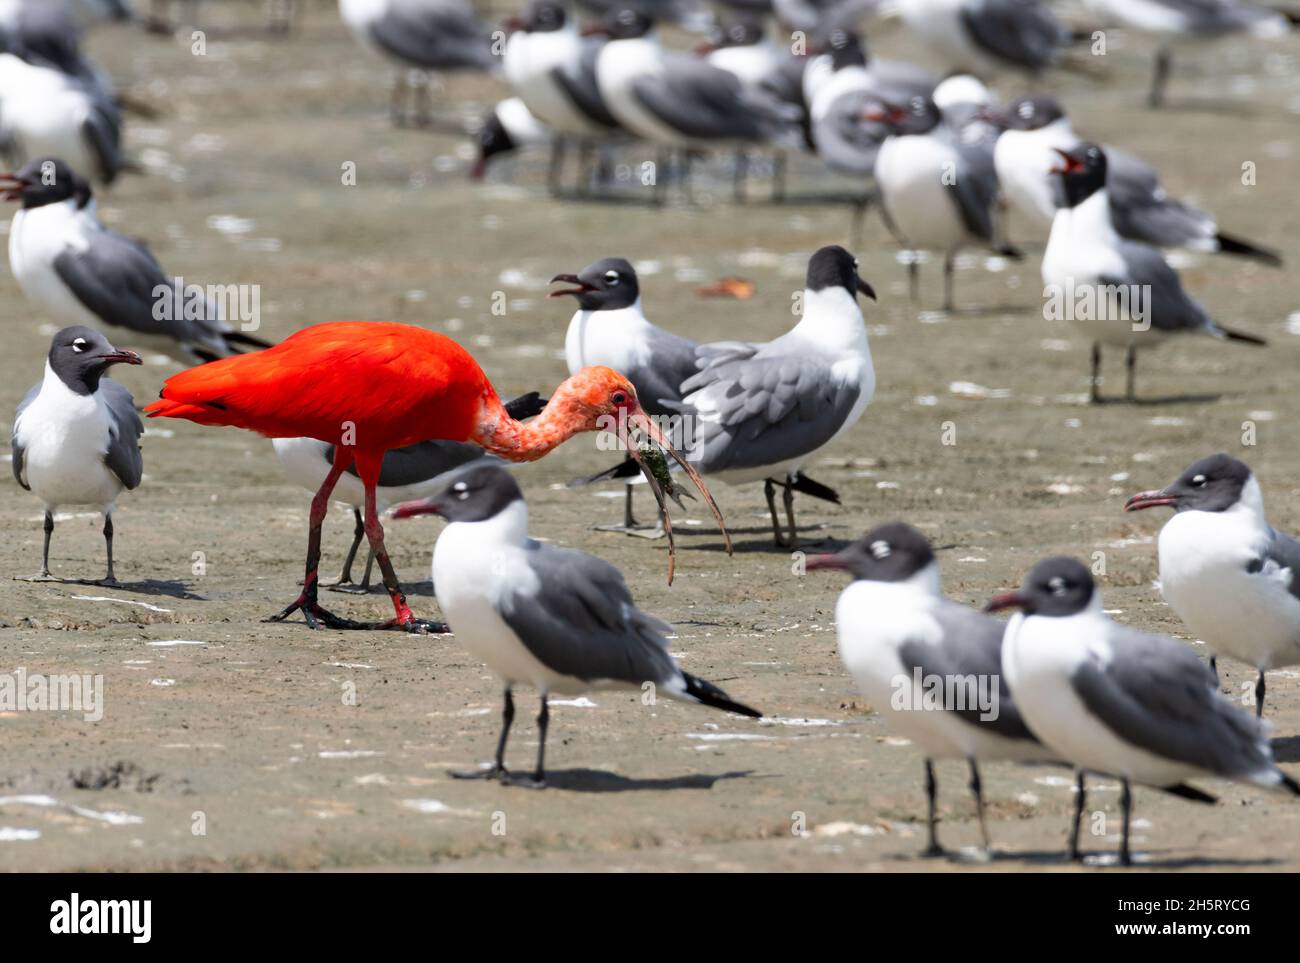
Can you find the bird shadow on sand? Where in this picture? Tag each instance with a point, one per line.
(1184, 399)
(984, 310)
(158, 587)
(1286, 749)
(764, 543)
(595, 780)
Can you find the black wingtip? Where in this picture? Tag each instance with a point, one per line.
(627, 468)
(1289, 783)
(233, 338)
(1241, 336)
(1184, 791)
(706, 693)
(1239, 248)
(815, 489)
(526, 406)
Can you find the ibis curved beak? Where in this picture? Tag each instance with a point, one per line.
(582, 286)
(1151, 499)
(636, 419)
(1007, 600)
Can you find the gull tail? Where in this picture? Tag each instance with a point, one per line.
(1288, 783)
(706, 693)
(1236, 246)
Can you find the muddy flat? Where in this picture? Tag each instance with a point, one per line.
(229, 743)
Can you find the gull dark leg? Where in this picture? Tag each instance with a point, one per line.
(914, 278)
(395, 104)
(629, 520)
(1214, 668)
(663, 162)
(1259, 696)
(44, 574)
(769, 490)
(498, 769)
(931, 795)
(787, 499)
(1130, 373)
(109, 578)
(1164, 63)
(859, 217)
(977, 790)
(1126, 806)
(554, 182)
(949, 267)
(1095, 379)
(741, 172)
(345, 584)
(778, 176)
(1080, 800)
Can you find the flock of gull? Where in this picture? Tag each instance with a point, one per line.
(392, 416)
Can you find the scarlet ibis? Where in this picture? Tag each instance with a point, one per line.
(368, 387)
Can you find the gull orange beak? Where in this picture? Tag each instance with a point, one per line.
(634, 418)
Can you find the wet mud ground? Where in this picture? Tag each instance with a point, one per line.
(219, 723)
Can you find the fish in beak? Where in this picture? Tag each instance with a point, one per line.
(636, 420)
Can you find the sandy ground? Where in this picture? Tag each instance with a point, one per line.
(228, 743)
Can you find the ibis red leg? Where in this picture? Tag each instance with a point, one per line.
(403, 619)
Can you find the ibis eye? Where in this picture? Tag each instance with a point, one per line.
(79, 345)
(619, 398)
(611, 278)
(1199, 481)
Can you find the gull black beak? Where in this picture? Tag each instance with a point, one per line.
(582, 287)
(832, 562)
(119, 356)
(867, 289)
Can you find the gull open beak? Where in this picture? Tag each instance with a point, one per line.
(829, 562)
(636, 419)
(582, 286)
(120, 356)
(1072, 165)
(1152, 499)
(11, 186)
(1007, 600)
(421, 506)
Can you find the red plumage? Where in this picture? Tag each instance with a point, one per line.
(393, 384)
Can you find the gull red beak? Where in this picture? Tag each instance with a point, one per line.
(995, 117)
(421, 506)
(120, 356)
(12, 186)
(826, 562)
(511, 24)
(582, 286)
(477, 172)
(1072, 165)
(1007, 600)
(635, 418)
(594, 30)
(1152, 499)
(704, 48)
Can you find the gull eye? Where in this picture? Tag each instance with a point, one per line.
(461, 490)
(1199, 481)
(79, 345)
(880, 549)
(611, 278)
(856, 262)
(1057, 586)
